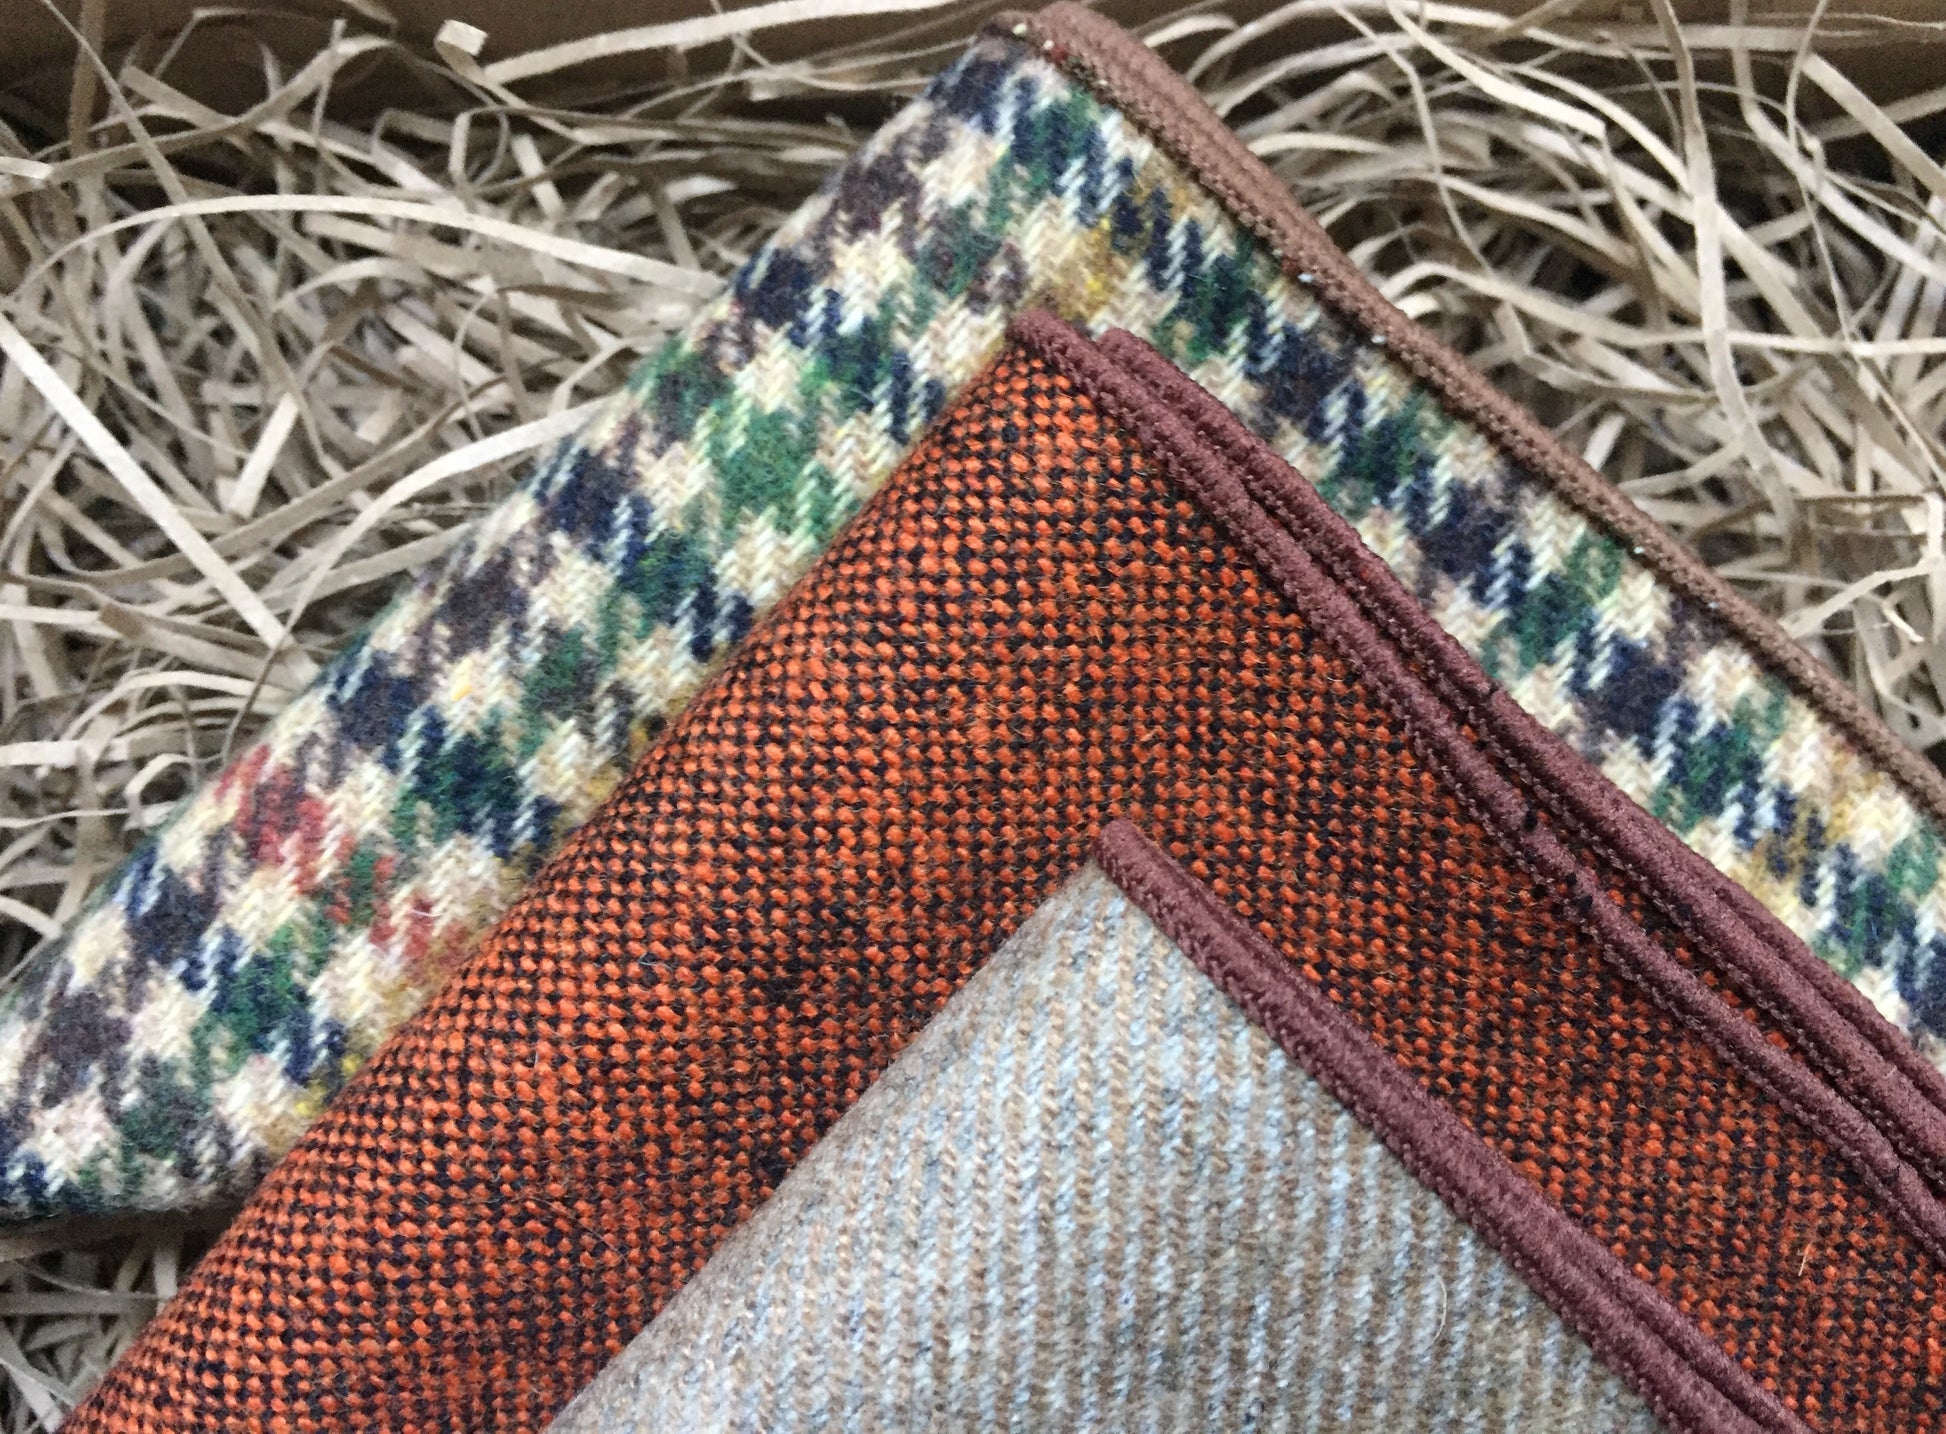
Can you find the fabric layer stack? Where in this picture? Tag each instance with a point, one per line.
(923, 874)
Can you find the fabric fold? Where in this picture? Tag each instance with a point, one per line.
(1075, 603)
(236, 972)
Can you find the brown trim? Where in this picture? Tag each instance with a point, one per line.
(1836, 1028)
(1142, 85)
(1491, 798)
(1688, 1382)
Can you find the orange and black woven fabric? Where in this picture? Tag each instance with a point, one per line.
(1050, 618)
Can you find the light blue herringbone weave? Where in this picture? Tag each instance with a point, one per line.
(1094, 1195)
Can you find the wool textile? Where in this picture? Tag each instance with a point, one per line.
(1067, 608)
(1092, 1194)
(238, 969)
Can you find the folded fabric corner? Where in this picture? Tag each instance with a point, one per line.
(1093, 1193)
(229, 980)
(1091, 599)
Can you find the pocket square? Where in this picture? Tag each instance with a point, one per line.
(1093, 1193)
(235, 972)
(231, 977)
(1084, 599)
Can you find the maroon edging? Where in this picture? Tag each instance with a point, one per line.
(1842, 1034)
(1909, 1100)
(1141, 84)
(1487, 795)
(1686, 1379)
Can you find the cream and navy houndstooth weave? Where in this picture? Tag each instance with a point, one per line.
(233, 973)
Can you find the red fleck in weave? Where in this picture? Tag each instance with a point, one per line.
(1038, 626)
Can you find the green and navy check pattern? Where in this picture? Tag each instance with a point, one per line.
(237, 970)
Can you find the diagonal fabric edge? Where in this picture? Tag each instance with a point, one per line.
(1861, 1053)
(1136, 78)
(1093, 1192)
(1491, 797)
(1685, 1378)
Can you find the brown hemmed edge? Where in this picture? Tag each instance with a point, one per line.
(1842, 1034)
(1491, 799)
(1687, 1381)
(1141, 84)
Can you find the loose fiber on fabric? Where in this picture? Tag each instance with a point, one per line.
(235, 973)
(1092, 1194)
(1043, 623)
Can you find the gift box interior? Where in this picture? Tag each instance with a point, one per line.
(1705, 245)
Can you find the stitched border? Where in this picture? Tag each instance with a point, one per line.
(1686, 1379)
(1843, 1035)
(1489, 796)
(1140, 83)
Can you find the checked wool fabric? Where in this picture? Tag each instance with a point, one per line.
(1093, 1194)
(304, 903)
(230, 978)
(1069, 607)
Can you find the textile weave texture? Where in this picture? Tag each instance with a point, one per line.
(240, 967)
(1045, 622)
(1092, 1194)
